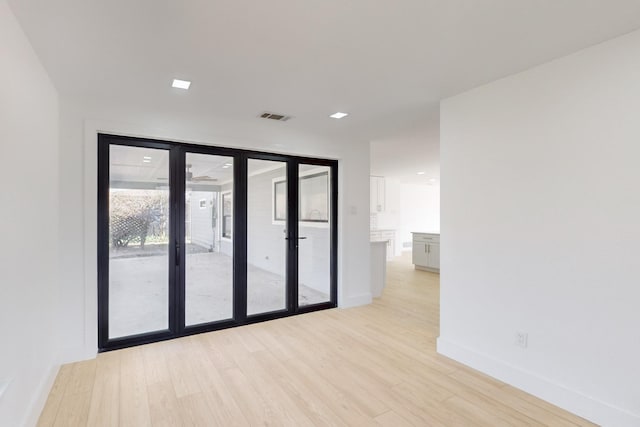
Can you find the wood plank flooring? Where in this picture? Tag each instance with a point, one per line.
(372, 365)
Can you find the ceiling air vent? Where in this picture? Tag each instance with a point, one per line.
(274, 116)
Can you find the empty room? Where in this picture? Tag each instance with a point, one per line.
(222, 213)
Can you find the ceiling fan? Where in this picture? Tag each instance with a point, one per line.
(201, 178)
(189, 176)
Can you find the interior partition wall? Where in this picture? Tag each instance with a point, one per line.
(196, 238)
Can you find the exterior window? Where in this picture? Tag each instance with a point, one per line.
(314, 197)
(280, 201)
(227, 223)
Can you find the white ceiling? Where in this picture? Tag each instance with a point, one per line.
(416, 149)
(149, 165)
(385, 62)
(137, 164)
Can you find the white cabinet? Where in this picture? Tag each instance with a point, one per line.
(377, 194)
(433, 250)
(388, 236)
(426, 251)
(419, 254)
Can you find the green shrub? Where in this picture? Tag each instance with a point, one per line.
(135, 215)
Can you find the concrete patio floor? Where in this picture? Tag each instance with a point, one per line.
(138, 292)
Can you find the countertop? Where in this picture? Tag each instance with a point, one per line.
(425, 232)
(377, 237)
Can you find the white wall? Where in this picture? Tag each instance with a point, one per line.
(266, 248)
(81, 119)
(419, 210)
(540, 230)
(29, 291)
(202, 225)
(266, 244)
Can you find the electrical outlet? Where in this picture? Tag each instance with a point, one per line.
(522, 339)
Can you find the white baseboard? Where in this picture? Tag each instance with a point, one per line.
(40, 397)
(355, 301)
(587, 407)
(78, 353)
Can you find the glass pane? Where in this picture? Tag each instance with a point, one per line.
(208, 223)
(314, 246)
(138, 240)
(266, 244)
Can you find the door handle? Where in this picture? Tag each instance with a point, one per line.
(299, 238)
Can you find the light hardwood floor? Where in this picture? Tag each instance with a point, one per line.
(372, 365)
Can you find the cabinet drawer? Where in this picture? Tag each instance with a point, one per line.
(426, 238)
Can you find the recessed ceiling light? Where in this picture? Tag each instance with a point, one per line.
(421, 173)
(432, 180)
(338, 115)
(146, 161)
(147, 158)
(181, 84)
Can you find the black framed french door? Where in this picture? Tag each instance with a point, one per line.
(196, 238)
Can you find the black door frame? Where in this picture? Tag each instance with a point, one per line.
(177, 152)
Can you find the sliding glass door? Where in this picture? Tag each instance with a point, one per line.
(138, 249)
(208, 275)
(314, 227)
(194, 238)
(266, 236)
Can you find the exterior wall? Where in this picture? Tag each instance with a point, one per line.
(267, 245)
(203, 227)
